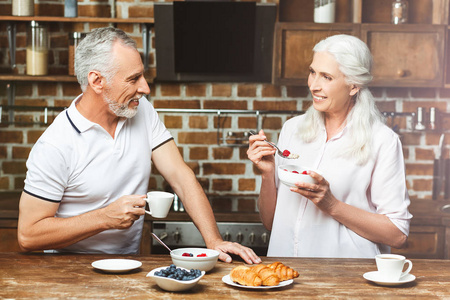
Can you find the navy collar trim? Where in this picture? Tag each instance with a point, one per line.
(73, 125)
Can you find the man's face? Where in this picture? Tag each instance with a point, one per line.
(128, 85)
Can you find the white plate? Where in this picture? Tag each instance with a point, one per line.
(116, 265)
(375, 277)
(228, 281)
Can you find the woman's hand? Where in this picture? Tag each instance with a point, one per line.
(260, 152)
(319, 193)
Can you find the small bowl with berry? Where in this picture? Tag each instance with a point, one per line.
(175, 279)
(195, 258)
(290, 174)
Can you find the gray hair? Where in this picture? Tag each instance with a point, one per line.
(355, 62)
(95, 53)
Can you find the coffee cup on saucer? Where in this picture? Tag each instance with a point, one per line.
(390, 266)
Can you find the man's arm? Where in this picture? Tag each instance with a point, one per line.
(39, 229)
(171, 166)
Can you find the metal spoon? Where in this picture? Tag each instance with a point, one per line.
(279, 152)
(161, 242)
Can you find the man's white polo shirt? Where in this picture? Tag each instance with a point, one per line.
(78, 164)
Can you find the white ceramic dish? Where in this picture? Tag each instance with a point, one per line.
(376, 278)
(173, 285)
(202, 263)
(289, 178)
(226, 279)
(116, 265)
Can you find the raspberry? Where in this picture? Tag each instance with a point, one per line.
(305, 173)
(187, 254)
(202, 255)
(286, 153)
(296, 172)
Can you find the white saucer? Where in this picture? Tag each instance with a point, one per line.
(116, 265)
(375, 277)
(226, 279)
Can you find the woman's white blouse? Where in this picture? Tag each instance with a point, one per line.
(301, 229)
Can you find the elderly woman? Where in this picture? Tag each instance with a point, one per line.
(359, 206)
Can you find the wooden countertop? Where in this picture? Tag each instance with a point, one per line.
(33, 276)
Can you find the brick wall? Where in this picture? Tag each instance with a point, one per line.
(220, 167)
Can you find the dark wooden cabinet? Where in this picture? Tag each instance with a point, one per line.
(293, 48)
(407, 55)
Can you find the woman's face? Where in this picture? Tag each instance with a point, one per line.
(331, 93)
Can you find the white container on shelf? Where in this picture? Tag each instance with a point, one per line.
(22, 7)
(324, 11)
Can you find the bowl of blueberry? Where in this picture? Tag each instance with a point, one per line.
(195, 258)
(175, 279)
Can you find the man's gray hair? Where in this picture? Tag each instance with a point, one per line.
(94, 53)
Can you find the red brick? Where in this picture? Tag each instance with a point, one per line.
(202, 138)
(225, 122)
(396, 92)
(170, 89)
(14, 167)
(196, 153)
(222, 184)
(21, 152)
(204, 182)
(247, 122)
(424, 154)
(376, 91)
(419, 169)
(385, 105)
(269, 90)
(411, 138)
(221, 205)
(186, 104)
(222, 153)
(198, 90)
(246, 184)
(173, 121)
(53, 10)
(47, 89)
(272, 123)
(246, 90)
(3, 152)
(422, 185)
(140, 11)
(223, 168)
(297, 91)
(195, 167)
(198, 122)
(72, 89)
(423, 92)
(216, 104)
(221, 90)
(19, 182)
(34, 135)
(11, 137)
(4, 181)
(275, 105)
(96, 10)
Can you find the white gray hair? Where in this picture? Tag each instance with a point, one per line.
(355, 62)
(95, 53)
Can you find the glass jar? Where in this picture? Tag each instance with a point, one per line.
(22, 7)
(399, 11)
(37, 49)
(324, 11)
(74, 39)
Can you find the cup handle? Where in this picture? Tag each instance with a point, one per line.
(149, 211)
(407, 261)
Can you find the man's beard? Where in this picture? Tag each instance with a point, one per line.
(121, 110)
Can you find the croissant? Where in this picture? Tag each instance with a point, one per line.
(284, 272)
(267, 275)
(245, 276)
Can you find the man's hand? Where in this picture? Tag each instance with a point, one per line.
(122, 213)
(245, 253)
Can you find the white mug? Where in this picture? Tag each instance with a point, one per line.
(390, 266)
(159, 203)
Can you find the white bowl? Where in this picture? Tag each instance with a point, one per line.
(286, 175)
(202, 263)
(173, 285)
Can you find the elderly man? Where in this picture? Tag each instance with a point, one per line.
(89, 172)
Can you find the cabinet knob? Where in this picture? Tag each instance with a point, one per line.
(239, 237)
(176, 236)
(227, 236)
(251, 237)
(401, 73)
(265, 238)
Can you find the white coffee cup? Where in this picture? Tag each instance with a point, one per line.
(390, 266)
(159, 203)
